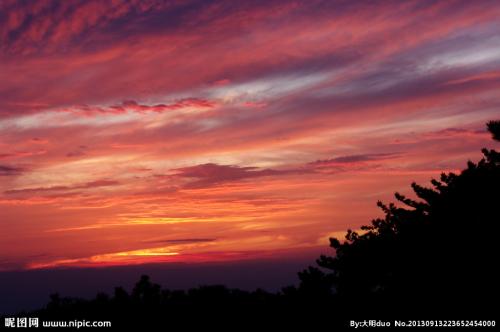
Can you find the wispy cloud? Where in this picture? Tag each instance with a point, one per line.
(87, 185)
(357, 158)
(180, 241)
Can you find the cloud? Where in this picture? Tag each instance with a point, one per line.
(87, 185)
(259, 116)
(355, 159)
(6, 170)
(455, 132)
(20, 154)
(132, 105)
(182, 241)
(80, 151)
(128, 47)
(212, 174)
(50, 25)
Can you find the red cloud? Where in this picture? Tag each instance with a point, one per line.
(19, 154)
(211, 174)
(76, 44)
(323, 83)
(132, 105)
(354, 159)
(87, 185)
(6, 170)
(49, 24)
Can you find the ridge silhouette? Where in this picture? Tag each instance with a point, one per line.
(431, 256)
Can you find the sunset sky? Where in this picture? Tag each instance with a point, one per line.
(199, 131)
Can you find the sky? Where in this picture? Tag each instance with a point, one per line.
(199, 132)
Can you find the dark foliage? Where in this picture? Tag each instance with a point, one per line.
(148, 308)
(432, 255)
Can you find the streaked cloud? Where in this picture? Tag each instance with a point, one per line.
(161, 131)
(87, 185)
(6, 170)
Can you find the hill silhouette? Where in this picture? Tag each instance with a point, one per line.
(431, 256)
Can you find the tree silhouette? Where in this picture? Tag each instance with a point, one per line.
(494, 128)
(439, 248)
